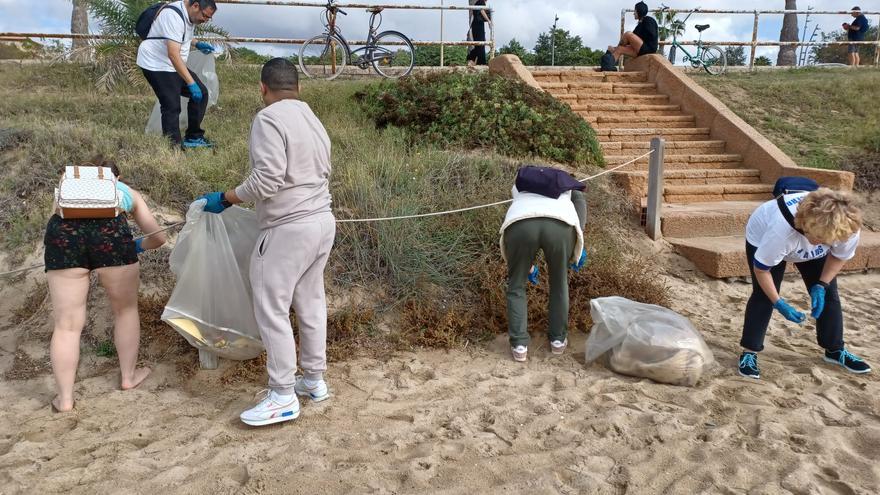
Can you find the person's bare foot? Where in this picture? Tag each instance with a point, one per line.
(61, 407)
(140, 374)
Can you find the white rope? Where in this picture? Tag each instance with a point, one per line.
(383, 219)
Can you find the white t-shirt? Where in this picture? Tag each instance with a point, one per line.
(153, 53)
(777, 241)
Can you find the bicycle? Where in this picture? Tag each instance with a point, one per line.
(711, 58)
(389, 53)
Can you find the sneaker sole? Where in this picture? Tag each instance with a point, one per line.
(847, 368)
(756, 377)
(557, 352)
(319, 398)
(521, 360)
(269, 421)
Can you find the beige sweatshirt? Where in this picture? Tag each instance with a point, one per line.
(290, 164)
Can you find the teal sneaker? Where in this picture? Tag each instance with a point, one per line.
(197, 143)
(848, 360)
(748, 365)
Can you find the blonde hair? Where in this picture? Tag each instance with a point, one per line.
(830, 216)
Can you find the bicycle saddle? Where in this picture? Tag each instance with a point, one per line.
(702, 27)
(375, 10)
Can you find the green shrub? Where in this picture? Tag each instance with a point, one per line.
(483, 111)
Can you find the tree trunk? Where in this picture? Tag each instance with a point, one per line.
(79, 24)
(788, 54)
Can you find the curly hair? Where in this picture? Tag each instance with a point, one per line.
(831, 216)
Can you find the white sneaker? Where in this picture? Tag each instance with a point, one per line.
(557, 347)
(272, 408)
(520, 353)
(316, 392)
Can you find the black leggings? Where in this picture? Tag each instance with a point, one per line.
(478, 29)
(169, 87)
(829, 326)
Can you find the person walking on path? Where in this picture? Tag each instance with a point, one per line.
(289, 183)
(818, 232)
(162, 58)
(479, 18)
(855, 32)
(548, 213)
(73, 249)
(642, 40)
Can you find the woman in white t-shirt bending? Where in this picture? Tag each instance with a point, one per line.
(818, 232)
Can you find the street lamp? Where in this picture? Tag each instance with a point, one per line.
(553, 41)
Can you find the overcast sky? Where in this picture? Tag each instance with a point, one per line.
(597, 22)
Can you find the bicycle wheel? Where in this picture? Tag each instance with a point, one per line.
(392, 55)
(323, 57)
(714, 60)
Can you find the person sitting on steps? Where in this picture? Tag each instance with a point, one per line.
(640, 41)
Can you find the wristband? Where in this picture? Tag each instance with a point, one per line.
(226, 204)
(824, 285)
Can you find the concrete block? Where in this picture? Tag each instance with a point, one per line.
(511, 66)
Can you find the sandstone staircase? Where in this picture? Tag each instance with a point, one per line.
(709, 192)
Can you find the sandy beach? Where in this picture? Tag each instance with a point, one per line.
(468, 421)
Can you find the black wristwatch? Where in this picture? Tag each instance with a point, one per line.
(226, 204)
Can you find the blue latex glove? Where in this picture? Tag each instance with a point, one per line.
(580, 262)
(195, 92)
(789, 312)
(215, 202)
(533, 275)
(205, 47)
(817, 299)
(139, 246)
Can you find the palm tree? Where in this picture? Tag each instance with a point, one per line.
(788, 53)
(668, 26)
(117, 57)
(79, 24)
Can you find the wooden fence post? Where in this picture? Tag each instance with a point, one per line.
(655, 188)
(754, 43)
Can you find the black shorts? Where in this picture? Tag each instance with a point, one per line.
(88, 243)
(853, 48)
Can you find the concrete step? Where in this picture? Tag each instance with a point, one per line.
(678, 158)
(582, 97)
(637, 88)
(668, 166)
(587, 75)
(600, 88)
(705, 176)
(616, 119)
(681, 122)
(670, 134)
(706, 219)
(672, 147)
(611, 109)
(721, 257)
(717, 192)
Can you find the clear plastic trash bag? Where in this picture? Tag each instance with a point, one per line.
(646, 341)
(211, 305)
(203, 66)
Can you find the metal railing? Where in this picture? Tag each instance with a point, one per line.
(442, 42)
(754, 44)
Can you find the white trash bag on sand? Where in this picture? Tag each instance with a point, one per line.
(647, 341)
(203, 66)
(211, 305)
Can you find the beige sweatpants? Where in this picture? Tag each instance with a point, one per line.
(287, 267)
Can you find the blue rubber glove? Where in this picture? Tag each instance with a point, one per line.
(789, 312)
(195, 92)
(205, 47)
(533, 275)
(817, 299)
(214, 202)
(580, 262)
(139, 246)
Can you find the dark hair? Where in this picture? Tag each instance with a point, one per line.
(204, 4)
(279, 74)
(856, 8)
(641, 9)
(101, 161)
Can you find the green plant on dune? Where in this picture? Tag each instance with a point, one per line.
(116, 57)
(483, 111)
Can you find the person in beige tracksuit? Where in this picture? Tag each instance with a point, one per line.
(289, 183)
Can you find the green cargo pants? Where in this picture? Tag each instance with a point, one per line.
(522, 240)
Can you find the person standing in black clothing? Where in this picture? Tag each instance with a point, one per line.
(855, 32)
(642, 40)
(477, 54)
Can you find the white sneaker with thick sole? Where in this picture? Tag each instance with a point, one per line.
(557, 347)
(271, 409)
(520, 353)
(317, 392)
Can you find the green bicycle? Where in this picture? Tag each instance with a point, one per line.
(711, 58)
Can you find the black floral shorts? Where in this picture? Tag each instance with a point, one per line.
(88, 243)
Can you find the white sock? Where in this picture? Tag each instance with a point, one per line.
(311, 383)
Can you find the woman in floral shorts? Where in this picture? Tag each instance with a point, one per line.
(75, 248)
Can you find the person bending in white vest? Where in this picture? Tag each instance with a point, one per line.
(289, 182)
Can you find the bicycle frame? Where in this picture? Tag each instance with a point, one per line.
(368, 48)
(678, 46)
